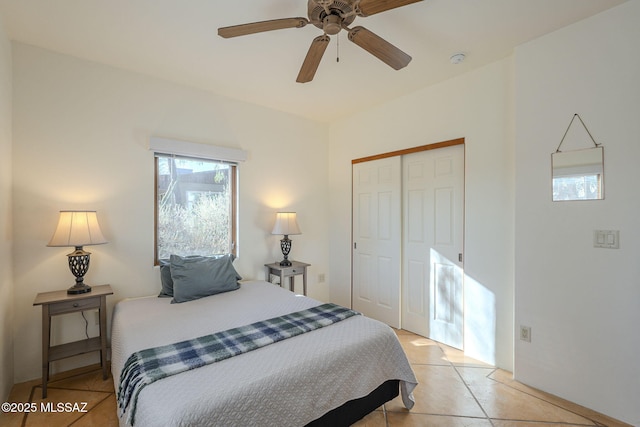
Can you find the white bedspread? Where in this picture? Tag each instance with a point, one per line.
(289, 383)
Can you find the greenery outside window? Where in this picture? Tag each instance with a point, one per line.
(195, 206)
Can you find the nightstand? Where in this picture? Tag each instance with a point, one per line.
(59, 302)
(296, 268)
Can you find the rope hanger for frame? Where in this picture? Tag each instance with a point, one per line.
(567, 131)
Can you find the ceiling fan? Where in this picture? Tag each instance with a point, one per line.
(332, 16)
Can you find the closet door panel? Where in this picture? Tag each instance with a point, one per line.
(433, 186)
(377, 239)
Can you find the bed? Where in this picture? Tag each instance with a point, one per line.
(329, 376)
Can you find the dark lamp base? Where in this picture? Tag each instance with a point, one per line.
(285, 245)
(79, 289)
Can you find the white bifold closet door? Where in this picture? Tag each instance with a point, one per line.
(408, 216)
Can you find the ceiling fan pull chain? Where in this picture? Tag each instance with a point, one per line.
(338, 48)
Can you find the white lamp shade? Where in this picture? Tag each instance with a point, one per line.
(286, 224)
(77, 228)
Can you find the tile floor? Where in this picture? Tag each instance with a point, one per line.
(454, 391)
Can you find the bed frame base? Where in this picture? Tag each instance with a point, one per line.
(357, 409)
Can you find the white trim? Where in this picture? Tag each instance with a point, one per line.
(193, 149)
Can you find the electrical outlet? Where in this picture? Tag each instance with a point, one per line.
(321, 278)
(525, 333)
(97, 317)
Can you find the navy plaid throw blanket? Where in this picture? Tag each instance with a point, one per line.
(147, 366)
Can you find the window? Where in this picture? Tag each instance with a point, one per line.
(195, 208)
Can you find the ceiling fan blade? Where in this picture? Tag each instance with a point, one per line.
(379, 47)
(371, 7)
(262, 26)
(312, 60)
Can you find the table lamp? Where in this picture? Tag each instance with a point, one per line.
(286, 224)
(78, 229)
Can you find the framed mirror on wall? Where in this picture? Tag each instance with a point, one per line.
(578, 174)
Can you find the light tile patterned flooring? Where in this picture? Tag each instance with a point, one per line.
(454, 391)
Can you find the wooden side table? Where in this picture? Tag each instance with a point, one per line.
(59, 302)
(291, 271)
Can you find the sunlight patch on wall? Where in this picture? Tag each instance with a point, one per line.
(480, 321)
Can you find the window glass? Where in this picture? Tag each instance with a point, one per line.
(195, 206)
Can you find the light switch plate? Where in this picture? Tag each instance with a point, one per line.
(609, 239)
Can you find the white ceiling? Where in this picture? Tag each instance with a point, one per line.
(177, 40)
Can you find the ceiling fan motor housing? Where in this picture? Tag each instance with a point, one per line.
(331, 23)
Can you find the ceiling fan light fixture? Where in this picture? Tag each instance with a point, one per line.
(332, 24)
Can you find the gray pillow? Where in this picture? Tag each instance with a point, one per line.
(197, 277)
(165, 275)
(165, 279)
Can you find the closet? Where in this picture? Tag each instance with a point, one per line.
(408, 234)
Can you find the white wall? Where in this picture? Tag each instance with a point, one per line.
(6, 279)
(81, 131)
(582, 303)
(475, 106)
